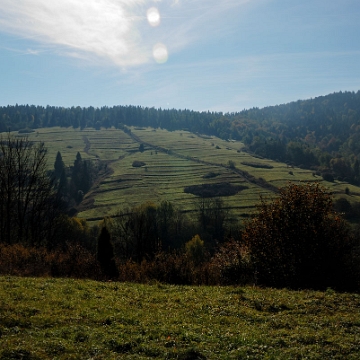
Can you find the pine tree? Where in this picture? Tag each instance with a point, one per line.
(86, 177)
(105, 255)
(81, 178)
(77, 176)
(59, 166)
(63, 183)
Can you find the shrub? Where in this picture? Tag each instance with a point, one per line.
(257, 165)
(137, 163)
(172, 268)
(195, 249)
(328, 177)
(231, 164)
(210, 175)
(232, 264)
(75, 261)
(214, 190)
(297, 240)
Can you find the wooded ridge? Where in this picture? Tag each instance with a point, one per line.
(321, 133)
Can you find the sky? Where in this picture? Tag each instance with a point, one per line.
(204, 55)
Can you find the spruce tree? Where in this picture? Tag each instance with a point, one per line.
(63, 183)
(59, 166)
(81, 178)
(105, 255)
(77, 175)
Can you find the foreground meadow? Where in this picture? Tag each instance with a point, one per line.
(75, 319)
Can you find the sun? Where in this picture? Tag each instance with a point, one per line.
(153, 16)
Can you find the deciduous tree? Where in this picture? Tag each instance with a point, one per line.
(297, 240)
(28, 204)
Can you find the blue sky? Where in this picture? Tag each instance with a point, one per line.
(217, 55)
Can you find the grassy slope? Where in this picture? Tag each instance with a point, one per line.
(168, 169)
(73, 319)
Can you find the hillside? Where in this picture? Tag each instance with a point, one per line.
(172, 162)
(308, 140)
(321, 133)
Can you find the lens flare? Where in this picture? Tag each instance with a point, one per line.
(160, 53)
(153, 16)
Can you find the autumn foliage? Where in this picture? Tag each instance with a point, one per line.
(74, 261)
(297, 240)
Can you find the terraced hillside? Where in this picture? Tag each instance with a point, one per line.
(168, 163)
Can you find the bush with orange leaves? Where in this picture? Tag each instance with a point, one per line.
(76, 262)
(298, 241)
(231, 265)
(172, 268)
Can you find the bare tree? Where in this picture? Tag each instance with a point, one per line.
(27, 196)
(212, 216)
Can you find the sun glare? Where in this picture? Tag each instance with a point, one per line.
(153, 16)
(160, 53)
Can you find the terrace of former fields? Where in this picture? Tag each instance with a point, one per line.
(173, 161)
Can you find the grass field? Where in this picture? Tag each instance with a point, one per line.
(73, 319)
(173, 160)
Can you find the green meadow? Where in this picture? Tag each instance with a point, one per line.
(173, 160)
(47, 318)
